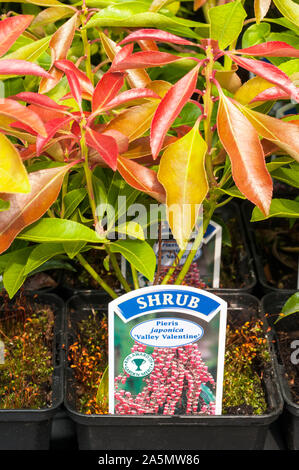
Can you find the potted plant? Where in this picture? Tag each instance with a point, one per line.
(281, 310)
(31, 383)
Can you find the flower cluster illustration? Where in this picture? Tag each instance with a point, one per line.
(173, 387)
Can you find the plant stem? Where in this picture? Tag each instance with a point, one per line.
(118, 272)
(96, 276)
(87, 54)
(196, 245)
(88, 175)
(135, 277)
(173, 267)
(221, 204)
(208, 109)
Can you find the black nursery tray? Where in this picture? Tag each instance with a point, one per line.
(25, 429)
(106, 432)
(271, 306)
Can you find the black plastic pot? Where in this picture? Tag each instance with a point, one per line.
(22, 429)
(271, 305)
(106, 432)
(264, 287)
(246, 274)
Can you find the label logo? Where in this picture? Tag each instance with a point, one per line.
(138, 364)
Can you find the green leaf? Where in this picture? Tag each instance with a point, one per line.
(72, 200)
(100, 195)
(52, 264)
(278, 208)
(103, 391)
(73, 248)
(291, 306)
(131, 229)
(226, 238)
(14, 274)
(283, 22)
(59, 230)
(290, 67)
(287, 175)
(42, 253)
(255, 34)
(233, 191)
(278, 162)
(227, 22)
(4, 205)
(289, 9)
(188, 116)
(136, 14)
(120, 197)
(139, 254)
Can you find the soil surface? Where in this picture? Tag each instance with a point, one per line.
(26, 330)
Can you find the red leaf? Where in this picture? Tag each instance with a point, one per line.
(105, 145)
(273, 93)
(39, 100)
(121, 139)
(143, 59)
(141, 178)
(268, 72)
(85, 83)
(129, 95)
(170, 107)
(22, 67)
(156, 35)
(11, 29)
(24, 127)
(106, 89)
(52, 127)
(270, 49)
(242, 143)
(60, 44)
(23, 114)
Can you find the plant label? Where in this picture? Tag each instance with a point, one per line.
(205, 268)
(166, 351)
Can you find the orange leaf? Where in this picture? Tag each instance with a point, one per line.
(242, 143)
(27, 208)
(141, 178)
(284, 134)
(60, 44)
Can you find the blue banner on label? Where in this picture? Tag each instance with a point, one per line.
(175, 299)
